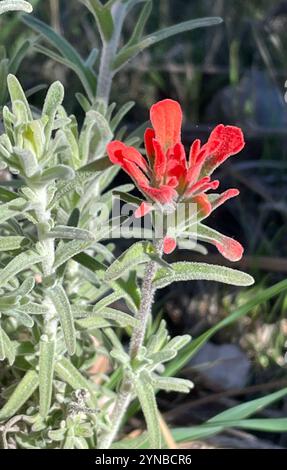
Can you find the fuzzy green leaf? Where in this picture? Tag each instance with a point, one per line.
(66, 251)
(33, 309)
(19, 263)
(58, 172)
(26, 287)
(28, 160)
(17, 95)
(102, 16)
(53, 100)
(63, 308)
(171, 384)
(138, 253)
(46, 372)
(121, 114)
(67, 372)
(140, 25)
(70, 233)
(185, 271)
(72, 59)
(6, 195)
(146, 395)
(117, 316)
(92, 323)
(11, 209)
(7, 349)
(129, 52)
(11, 243)
(22, 317)
(21, 394)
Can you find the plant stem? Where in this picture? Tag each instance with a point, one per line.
(147, 298)
(126, 391)
(109, 51)
(43, 216)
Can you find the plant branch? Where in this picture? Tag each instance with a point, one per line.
(125, 394)
(43, 216)
(109, 51)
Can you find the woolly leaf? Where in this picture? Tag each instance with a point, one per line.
(54, 98)
(140, 25)
(117, 316)
(67, 372)
(185, 271)
(46, 372)
(129, 52)
(69, 55)
(58, 172)
(20, 263)
(17, 95)
(28, 160)
(11, 209)
(146, 395)
(171, 384)
(72, 233)
(138, 253)
(121, 114)
(102, 16)
(20, 395)
(66, 251)
(11, 243)
(21, 317)
(7, 349)
(63, 309)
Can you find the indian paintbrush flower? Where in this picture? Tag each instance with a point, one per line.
(166, 177)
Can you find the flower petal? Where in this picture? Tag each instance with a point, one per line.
(194, 151)
(169, 245)
(203, 185)
(118, 151)
(163, 195)
(149, 135)
(230, 249)
(143, 210)
(223, 142)
(166, 118)
(220, 199)
(203, 205)
(159, 166)
(134, 171)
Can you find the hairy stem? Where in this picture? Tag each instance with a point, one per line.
(145, 306)
(43, 216)
(109, 51)
(125, 394)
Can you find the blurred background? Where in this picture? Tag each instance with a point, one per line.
(233, 73)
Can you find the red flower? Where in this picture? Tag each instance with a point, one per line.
(166, 177)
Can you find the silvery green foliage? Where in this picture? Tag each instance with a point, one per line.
(46, 297)
(55, 285)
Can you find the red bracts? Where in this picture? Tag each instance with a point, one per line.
(167, 177)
